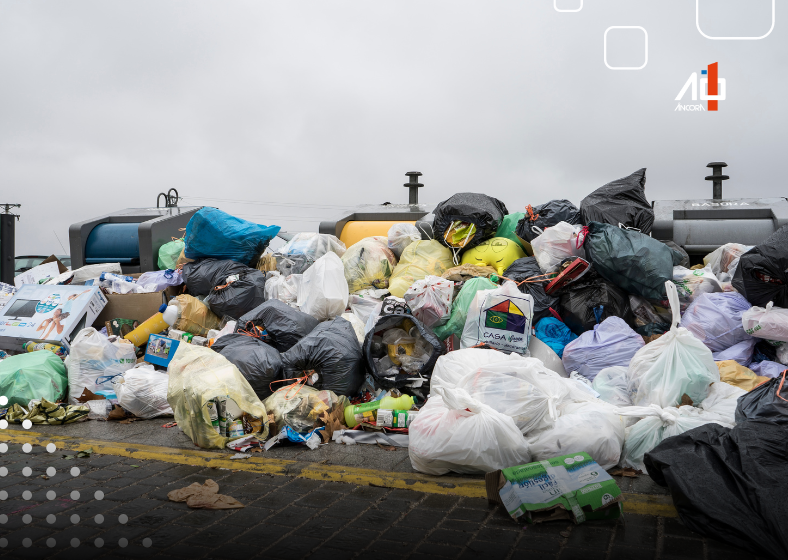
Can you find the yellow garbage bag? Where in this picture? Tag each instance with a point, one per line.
(733, 373)
(197, 376)
(196, 317)
(419, 259)
(369, 264)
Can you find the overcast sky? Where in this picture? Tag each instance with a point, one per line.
(104, 104)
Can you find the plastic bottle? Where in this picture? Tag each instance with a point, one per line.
(166, 317)
(395, 418)
(57, 350)
(355, 414)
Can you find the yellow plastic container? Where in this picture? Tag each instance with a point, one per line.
(154, 325)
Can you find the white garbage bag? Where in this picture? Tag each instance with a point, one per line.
(658, 424)
(557, 243)
(358, 326)
(501, 318)
(722, 400)
(611, 384)
(323, 292)
(454, 432)
(143, 391)
(402, 235)
(283, 288)
(585, 427)
(453, 367)
(675, 364)
(724, 260)
(430, 299)
(768, 322)
(95, 361)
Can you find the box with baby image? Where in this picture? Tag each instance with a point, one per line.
(50, 314)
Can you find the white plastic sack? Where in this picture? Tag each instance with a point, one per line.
(611, 384)
(500, 317)
(143, 391)
(430, 299)
(402, 235)
(323, 292)
(770, 322)
(160, 280)
(724, 260)
(95, 361)
(674, 364)
(692, 283)
(363, 307)
(93, 271)
(283, 288)
(557, 243)
(716, 320)
(454, 432)
(298, 254)
(611, 343)
(658, 424)
(453, 367)
(358, 326)
(586, 427)
(722, 400)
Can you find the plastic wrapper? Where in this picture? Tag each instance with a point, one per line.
(430, 299)
(456, 433)
(95, 361)
(522, 269)
(636, 263)
(197, 376)
(203, 275)
(299, 407)
(620, 202)
(258, 362)
(143, 391)
(333, 352)
(234, 299)
(400, 236)
(545, 216)
(33, 375)
(285, 325)
(368, 264)
(484, 212)
(762, 274)
(304, 249)
(768, 322)
(283, 288)
(323, 292)
(590, 300)
(419, 260)
(213, 233)
(611, 384)
(675, 364)
(716, 320)
(501, 318)
(692, 283)
(195, 317)
(554, 333)
(559, 242)
(93, 272)
(47, 412)
(161, 279)
(724, 260)
(611, 343)
(169, 253)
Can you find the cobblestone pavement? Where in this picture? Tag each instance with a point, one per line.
(289, 518)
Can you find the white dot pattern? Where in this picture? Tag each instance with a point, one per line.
(51, 471)
(74, 494)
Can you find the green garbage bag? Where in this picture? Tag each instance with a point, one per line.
(459, 308)
(37, 375)
(508, 229)
(169, 253)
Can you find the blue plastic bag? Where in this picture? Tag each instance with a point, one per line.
(740, 353)
(611, 343)
(715, 320)
(216, 234)
(554, 333)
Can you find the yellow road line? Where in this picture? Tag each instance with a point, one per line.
(642, 504)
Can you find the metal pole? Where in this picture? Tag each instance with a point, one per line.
(7, 246)
(717, 178)
(413, 186)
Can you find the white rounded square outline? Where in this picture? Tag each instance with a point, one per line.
(555, 5)
(625, 67)
(697, 24)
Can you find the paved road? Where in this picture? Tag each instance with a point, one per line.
(290, 518)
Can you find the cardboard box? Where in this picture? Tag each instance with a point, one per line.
(138, 307)
(570, 487)
(48, 314)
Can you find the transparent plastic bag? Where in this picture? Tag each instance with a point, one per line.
(419, 259)
(95, 361)
(611, 384)
(143, 391)
(557, 243)
(160, 279)
(692, 283)
(724, 260)
(675, 364)
(500, 317)
(283, 288)
(300, 407)
(430, 299)
(195, 317)
(400, 236)
(368, 264)
(323, 292)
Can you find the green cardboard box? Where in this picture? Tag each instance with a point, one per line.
(571, 487)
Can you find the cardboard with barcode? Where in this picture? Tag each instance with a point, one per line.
(570, 487)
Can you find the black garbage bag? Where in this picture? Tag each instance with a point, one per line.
(285, 325)
(762, 274)
(634, 262)
(333, 352)
(768, 402)
(484, 212)
(239, 297)
(258, 362)
(203, 275)
(521, 269)
(620, 202)
(547, 215)
(403, 378)
(590, 300)
(680, 256)
(729, 484)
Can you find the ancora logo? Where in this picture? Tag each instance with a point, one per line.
(712, 90)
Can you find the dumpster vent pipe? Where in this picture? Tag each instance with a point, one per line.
(717, 177)
(413, 186)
